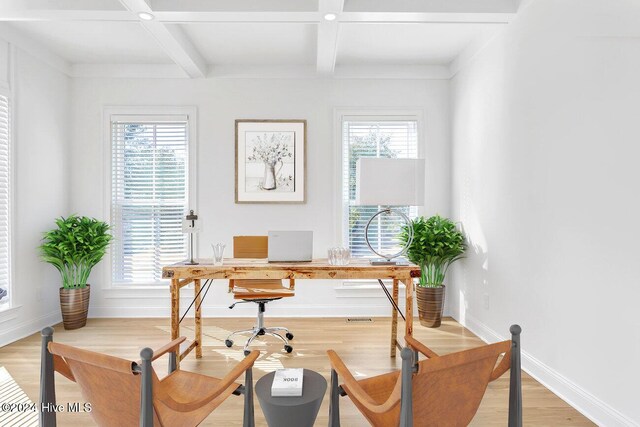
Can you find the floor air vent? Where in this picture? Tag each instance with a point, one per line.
(358, 319)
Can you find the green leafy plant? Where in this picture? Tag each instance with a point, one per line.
(437, 243)
(75, 247)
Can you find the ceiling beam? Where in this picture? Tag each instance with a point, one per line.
(185, 17)
(22, 15)
(172, 71)
(427, 18)
(328, 31)
(172, 40)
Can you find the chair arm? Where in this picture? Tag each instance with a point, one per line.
(167, 347)
(417, 345)
(220, 387)
(357, 392)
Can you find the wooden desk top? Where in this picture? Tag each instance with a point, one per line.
(253, 268)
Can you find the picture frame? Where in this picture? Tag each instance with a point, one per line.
(271, 161)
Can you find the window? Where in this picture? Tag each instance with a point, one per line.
(149, 196)
(5, 201)
(376, 136)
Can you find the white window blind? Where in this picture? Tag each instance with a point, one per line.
(5, 199)
(150, 195)
(373, 137)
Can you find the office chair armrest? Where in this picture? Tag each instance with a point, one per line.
(167, 348)
(220, 387)
(417, 345)
(358, 393)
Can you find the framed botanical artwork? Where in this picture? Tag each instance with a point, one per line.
(271, 161)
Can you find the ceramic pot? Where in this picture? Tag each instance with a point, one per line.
(430, 305)
(74, 304)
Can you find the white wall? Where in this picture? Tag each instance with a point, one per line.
(40, 162)
(545, 179)
(219, 103)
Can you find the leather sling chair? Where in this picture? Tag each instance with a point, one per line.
(126, 393)
(439, 391)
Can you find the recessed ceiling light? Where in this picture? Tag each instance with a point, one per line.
(145, 16)
(330, 17)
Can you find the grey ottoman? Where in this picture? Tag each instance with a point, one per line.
(292, 411)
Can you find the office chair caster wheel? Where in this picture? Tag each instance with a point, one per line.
(289, 336)
(288, 348)
(228, 343)
(246, 352)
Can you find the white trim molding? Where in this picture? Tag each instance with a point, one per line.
(589, 405)
(27, 328)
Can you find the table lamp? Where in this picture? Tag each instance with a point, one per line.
(389, 182)
(190, 226)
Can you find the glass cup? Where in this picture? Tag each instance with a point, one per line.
(339, 256)
(218, 253)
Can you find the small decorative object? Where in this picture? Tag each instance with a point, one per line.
(74, 248)
(339, 256)
(386, 182)
(218, 253)
(191, 226)
(437, 243)
(270, 161)
(287, 382)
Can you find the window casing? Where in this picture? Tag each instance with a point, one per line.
(150, 195)
(5, 199)
(373, 136)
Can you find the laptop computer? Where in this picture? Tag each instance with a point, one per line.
(290, 246)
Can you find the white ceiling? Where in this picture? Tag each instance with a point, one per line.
(96, 42)
(407, 44)
(254, 43)
(198, 37)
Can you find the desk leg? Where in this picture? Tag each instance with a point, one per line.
(394, 320)
(408, 311)
(175, 313)
(198, 318)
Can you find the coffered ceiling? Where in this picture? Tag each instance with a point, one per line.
(255, 38)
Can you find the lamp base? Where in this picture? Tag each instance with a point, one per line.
(382, 261)
(192, 262)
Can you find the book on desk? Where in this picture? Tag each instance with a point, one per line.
(287, 383)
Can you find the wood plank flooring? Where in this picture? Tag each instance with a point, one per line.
(362, 345)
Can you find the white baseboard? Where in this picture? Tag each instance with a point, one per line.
(29, 327)
(249, 310)
(590, 406)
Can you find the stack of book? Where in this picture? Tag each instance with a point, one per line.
(287, 383)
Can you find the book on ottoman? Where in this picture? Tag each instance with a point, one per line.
(287, 383)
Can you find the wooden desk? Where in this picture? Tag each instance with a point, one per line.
(247, 268)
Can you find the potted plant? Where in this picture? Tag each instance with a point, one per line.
(437, 243)
(74, 248)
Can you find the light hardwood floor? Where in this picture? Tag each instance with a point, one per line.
(362, 345)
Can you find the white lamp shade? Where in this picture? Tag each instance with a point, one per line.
(389, 182)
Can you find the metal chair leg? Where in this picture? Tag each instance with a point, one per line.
(334, 401)
(243, 331)
(406, 393)
(273, 334)
(47, 382)
(248, 419)
(250, 340)
(515, 380)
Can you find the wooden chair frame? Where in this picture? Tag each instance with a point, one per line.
(51, 362)
(402, 392)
